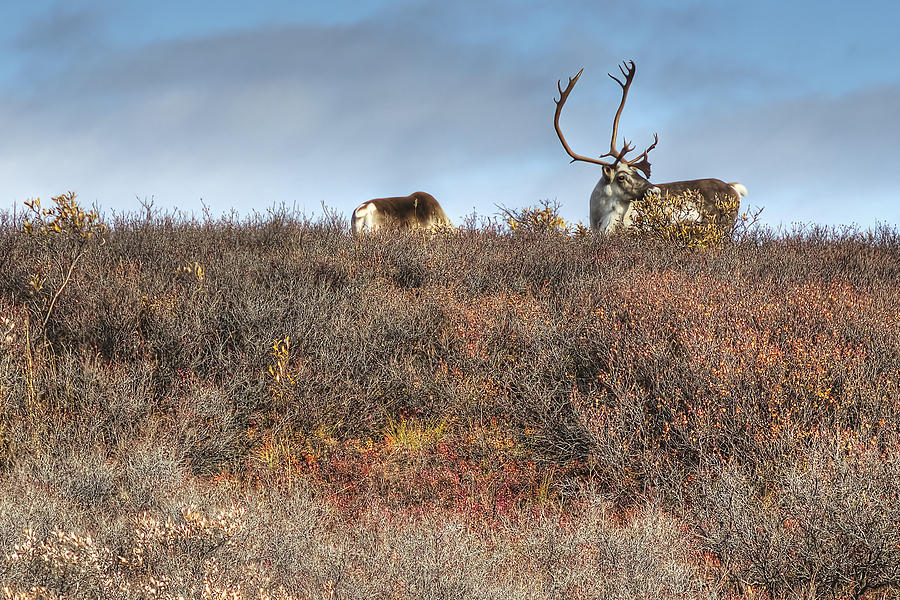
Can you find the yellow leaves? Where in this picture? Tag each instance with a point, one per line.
(542, 219)
(161, 306)
(67, 217)
(68, 221)
(682, 219)
(193, 269)
(276, 452)
(282, 372)
(35, 284)
(413, 435)
(280, 352)
(34, 204)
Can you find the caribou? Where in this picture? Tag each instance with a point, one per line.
(416, 211)
(622, 183)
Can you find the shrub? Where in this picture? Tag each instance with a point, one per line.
(455, 386)
(682, 219)
(66, 232)
(541, 219)
(823, 524)
(279, 545)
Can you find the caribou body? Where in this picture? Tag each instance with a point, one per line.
(416, 211)
(624, 181)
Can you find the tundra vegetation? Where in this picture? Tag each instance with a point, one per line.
(267, 407)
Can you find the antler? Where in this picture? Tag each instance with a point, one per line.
(641, 161)
(563, 96)
(627, 69)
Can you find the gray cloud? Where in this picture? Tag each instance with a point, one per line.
(60, 30)
(325, 108)
(819, 158)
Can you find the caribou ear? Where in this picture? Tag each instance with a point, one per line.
(608, 172)
(643, 167)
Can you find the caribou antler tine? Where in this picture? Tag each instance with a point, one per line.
(626, 148)
(563, 96)
(641, 161)
(649, 148)
(627, 69)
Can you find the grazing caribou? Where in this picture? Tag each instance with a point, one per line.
(622, 182)
(416, 211)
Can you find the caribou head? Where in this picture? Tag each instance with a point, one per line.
(625, 180)
(416, 211)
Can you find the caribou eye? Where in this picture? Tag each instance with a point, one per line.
(620, 178)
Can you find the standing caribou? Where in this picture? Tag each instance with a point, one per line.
(416, 211)
(622, 182)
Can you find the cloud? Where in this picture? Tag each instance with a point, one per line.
(350, 112)
(822, 158)
(63, 29)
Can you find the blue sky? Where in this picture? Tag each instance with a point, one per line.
(247, 105)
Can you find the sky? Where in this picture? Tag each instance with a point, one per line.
(242, 106)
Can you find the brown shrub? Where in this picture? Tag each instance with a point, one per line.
(551, 364)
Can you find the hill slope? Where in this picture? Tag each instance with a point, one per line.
(455, 404)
